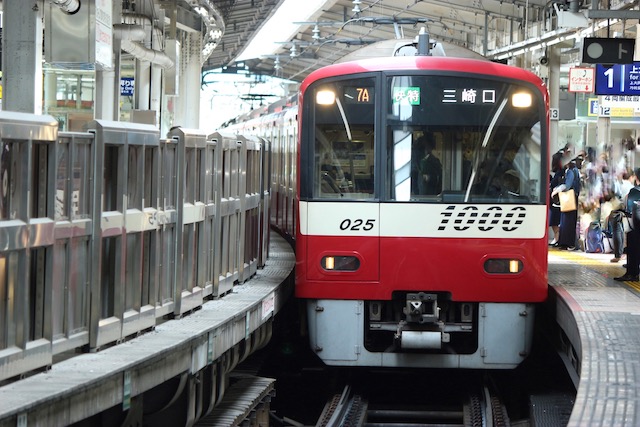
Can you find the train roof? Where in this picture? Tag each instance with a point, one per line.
(445, 56)
(408, 63)
(408, 47)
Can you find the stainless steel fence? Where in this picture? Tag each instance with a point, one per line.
(105, 232)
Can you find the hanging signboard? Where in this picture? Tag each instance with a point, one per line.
(619, 79)
(581, 79)
(104, 35)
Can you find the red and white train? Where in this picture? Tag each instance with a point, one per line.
(401, 264)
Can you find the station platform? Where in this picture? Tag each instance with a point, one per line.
(219, 335)
(600, 322)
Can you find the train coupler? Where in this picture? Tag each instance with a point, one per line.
(421, 307)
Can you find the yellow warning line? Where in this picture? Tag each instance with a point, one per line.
(602, 266)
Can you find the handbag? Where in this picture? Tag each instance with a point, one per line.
(567, 200)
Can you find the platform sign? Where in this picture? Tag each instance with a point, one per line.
(581, 79)
(619, 106)
(618, 79)
(127, 86)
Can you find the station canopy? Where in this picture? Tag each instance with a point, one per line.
(314, 33)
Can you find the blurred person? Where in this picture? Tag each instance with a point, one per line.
(625, 183)
(557, 177)
(632, 211)
(615, 219)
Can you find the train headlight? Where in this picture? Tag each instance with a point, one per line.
(325, 97)
(340, 263)
(503, 266)
(521, 100)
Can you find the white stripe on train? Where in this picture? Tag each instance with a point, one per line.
(423, 220)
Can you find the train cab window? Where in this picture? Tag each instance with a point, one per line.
(343, 135)
(442, 147)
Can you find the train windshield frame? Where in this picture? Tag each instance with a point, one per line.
(425, 136)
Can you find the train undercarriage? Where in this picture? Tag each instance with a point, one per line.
(416, 329)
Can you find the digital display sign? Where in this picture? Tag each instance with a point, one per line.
(469, 96)
(358, 95)
(406, 95)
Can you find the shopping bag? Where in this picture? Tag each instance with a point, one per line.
(567, 200)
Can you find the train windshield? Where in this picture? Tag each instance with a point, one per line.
(463, 140)
(438, 138)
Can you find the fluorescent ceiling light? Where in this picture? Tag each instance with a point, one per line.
(280, 27)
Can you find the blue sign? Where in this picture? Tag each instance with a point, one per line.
(126, 86)
(619, 79)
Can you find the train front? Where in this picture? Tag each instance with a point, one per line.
(422, 237)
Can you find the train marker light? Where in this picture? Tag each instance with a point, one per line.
(325, 97)
(329, 263)
(340, 263)
(514, 266)
(521, 100)
(503, 266)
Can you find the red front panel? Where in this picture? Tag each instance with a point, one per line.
(420, 264)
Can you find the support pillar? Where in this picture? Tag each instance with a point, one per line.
(22, 72)
(553, 82)
(188, 114)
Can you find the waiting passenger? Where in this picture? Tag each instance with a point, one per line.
(632, 207)
(569, 219)
(615, 220)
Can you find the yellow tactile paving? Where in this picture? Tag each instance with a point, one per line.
(597, 262)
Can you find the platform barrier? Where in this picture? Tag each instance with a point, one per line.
(228, 150)
(116, 270)
(167, 226)
(73, 233)
(105, 232)
(28, 155)
(191, 171)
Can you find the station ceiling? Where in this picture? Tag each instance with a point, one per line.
(339, 29)
(341, 26)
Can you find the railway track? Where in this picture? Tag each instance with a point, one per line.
(352, 409)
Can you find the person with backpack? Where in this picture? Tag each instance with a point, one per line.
(632, 211)
(569, 219)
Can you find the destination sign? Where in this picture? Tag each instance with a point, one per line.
(470, 96)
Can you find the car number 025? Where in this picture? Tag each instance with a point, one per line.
(357, 224)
